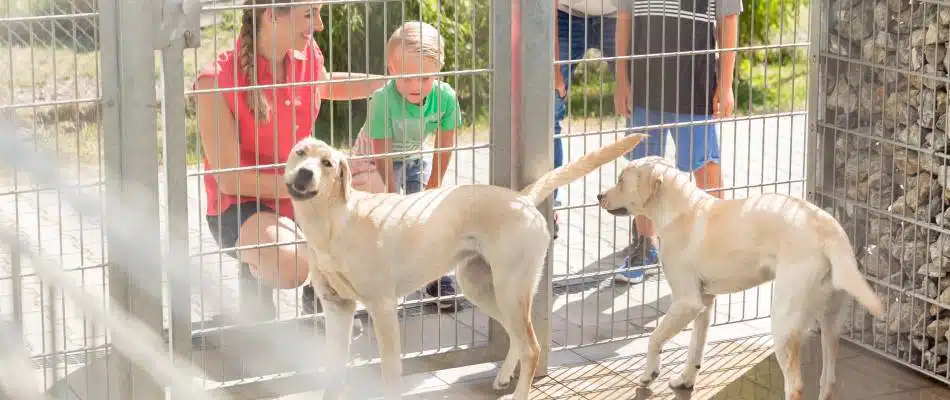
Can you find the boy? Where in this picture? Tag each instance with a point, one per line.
(407, 110)
(689, 89)
(579, 25)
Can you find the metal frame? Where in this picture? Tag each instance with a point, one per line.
(131, 162)
(520, 151)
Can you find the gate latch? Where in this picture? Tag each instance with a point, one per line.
(181, 20)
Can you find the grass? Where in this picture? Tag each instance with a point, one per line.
(54, 91)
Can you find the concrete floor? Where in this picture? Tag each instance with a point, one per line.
(734, 368)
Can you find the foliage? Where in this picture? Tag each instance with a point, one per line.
(355, 39)
(770, 22)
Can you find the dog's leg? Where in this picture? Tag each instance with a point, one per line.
(386, 326)
(830, 331)
(697, 342)
(788, 353)
(681, 312)
(339, 316)
(475, 279)
(524, 344)
(338, 313)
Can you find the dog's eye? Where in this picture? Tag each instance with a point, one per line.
(326, 163)
(301, 152)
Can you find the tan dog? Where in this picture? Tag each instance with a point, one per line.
(376, 248)
(710, 246)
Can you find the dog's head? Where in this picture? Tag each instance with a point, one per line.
(314, 168)
(638, 184)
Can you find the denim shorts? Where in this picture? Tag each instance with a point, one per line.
(226, 226)
(696, 145)
(412, 175)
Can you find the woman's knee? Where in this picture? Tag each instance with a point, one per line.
(283, 266)
(292, 267)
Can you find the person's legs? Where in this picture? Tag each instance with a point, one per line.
(697, 151)
(256, 297)
(570, 31)
(644, 248)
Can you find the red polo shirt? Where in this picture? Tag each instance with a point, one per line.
(293, 111)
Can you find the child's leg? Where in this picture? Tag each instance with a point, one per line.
(399, 174)
(645, 250)
(417, 174)
(697, 151)
(413, 177)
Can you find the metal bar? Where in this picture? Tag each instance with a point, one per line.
(813, 169)
(533, 151)
(131, 163)
(175, 168)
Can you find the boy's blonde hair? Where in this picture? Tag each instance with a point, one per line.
(417, 37)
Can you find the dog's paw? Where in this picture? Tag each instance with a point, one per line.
(681, 383)
(648, 377)
(507, 397)
(501, 382)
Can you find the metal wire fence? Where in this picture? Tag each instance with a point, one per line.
(82, 80)
(879, 124)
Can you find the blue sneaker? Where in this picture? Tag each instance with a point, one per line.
(637, 275)
(445, 286)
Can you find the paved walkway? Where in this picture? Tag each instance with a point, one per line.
(586, 309)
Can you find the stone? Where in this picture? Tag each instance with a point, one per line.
(853, 22)
(876, 262)
(936, 33)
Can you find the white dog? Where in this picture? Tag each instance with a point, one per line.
(376, 248)
(710, 246)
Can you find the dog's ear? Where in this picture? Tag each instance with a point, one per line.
(656, 180)
(649, 185)
(346, 179)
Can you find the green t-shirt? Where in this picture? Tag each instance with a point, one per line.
(407, 124)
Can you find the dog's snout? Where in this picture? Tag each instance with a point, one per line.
(600, 197)
(302, 179)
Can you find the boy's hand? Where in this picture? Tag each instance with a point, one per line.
(724, 102)
(622, 99)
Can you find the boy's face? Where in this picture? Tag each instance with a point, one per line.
(415, 89)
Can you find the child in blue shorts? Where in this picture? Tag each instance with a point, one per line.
(687, 89)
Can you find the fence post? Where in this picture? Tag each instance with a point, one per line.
(131, 156)
(533, 130)
(820, 144)
(180, 29)
(500, 108)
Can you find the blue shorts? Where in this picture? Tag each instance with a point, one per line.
(412, 175)
(696, 145)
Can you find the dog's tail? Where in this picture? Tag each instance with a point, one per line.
(543, 187)
(845, 274)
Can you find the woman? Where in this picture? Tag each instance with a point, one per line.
(249, 208)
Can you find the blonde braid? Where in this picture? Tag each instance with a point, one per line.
(248, 60)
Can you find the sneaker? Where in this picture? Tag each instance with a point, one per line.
(446, 287)
(635, 276)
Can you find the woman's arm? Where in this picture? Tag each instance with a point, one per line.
(353, 90)
(219, 141)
